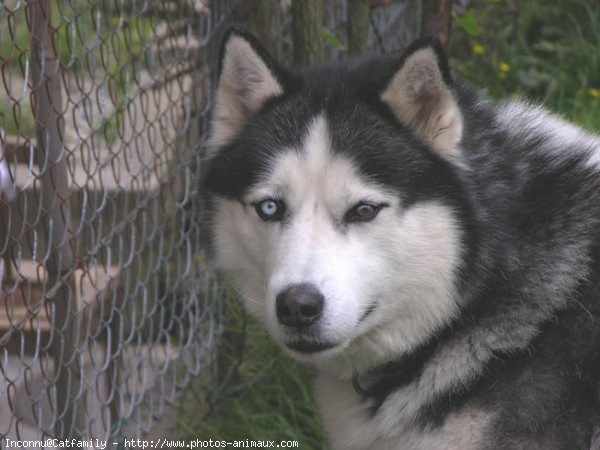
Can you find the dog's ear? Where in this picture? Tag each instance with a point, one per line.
(419, 94)
(248, 77)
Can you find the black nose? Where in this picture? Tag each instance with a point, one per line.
(299, 305)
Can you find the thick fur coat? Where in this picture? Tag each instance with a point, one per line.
(434, 255)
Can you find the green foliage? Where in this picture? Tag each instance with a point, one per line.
(333, 39)
(96, 43)
(261, 393)
(468, 23)
(118, 38)
(546, 50)
(15, 110)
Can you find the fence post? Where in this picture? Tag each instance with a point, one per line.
(435, 20)
(55, 192)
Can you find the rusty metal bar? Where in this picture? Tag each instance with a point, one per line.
(51, 159)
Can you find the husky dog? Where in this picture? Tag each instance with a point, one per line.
(435, 256)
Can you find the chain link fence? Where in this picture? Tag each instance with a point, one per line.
(243, 361)
(107, 306)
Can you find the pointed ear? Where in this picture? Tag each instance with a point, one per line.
(420, 96)
(248, 77)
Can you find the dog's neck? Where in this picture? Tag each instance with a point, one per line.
(376, 384)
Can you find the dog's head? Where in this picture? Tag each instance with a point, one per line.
(334, 205)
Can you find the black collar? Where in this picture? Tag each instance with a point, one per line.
(377, 383)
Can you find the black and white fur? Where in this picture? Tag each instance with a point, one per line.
(435, 256)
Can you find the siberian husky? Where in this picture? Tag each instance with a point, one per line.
(435, 256)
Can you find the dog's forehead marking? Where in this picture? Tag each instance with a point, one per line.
(314, 173)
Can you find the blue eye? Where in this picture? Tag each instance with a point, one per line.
(270, 210)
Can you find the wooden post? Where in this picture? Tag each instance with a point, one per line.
(435, 20)
(69, 412)
(307, 31)
(258, 15)
(357, 27)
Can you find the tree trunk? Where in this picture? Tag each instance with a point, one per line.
(358, 27)
(435, 20)
(258, 17)
(307, 31)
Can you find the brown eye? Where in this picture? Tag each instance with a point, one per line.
(363, 212)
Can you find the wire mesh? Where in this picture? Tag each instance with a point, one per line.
(106, 305)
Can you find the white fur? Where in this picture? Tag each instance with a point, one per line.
(7, 185)
(594, 158)
(245, 84)
(404, 260)
(419, 97)
(534, 120)
(351, 426)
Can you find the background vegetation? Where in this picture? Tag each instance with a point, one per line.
(121, 36)
(543, 50)
(261, 393)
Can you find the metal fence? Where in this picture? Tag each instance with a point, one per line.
(107, 307)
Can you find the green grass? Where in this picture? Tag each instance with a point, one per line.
(261, 393)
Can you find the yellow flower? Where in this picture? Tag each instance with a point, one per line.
(478, 49)
(594, 92)
(503, 67)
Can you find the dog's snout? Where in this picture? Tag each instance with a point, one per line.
(299, 305)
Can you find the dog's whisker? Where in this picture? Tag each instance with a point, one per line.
(243, 295)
